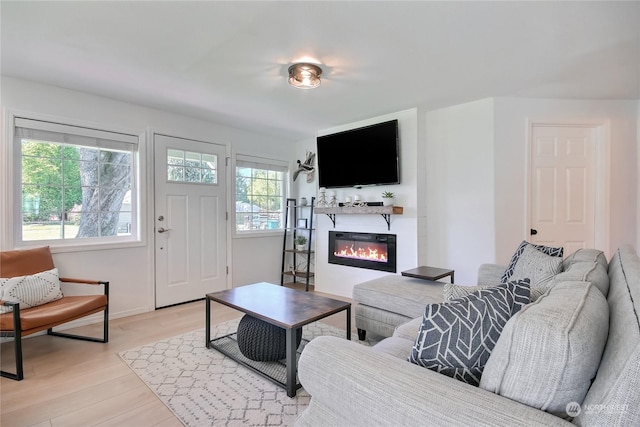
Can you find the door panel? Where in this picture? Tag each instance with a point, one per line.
(562, 201)
(190, 212)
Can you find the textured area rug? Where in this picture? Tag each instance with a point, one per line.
(202, 387)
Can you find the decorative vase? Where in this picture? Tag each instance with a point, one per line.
(387, 201)
(301, 247)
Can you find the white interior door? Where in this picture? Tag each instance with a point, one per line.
(190, 219)
(563, 194)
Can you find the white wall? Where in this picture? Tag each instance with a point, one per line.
(460, 199)
(337, 279)
(476, 176)
(512, 118)
(130, 270)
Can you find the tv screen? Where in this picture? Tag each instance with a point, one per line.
(368, 155)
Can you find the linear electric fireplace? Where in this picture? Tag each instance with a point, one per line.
(363, 250)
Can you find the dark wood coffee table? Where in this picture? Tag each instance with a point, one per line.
(284, 307)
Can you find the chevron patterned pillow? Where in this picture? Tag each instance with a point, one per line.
(456, 337)
(30, 291)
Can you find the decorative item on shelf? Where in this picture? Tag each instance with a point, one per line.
(322, 198)
(387, 198)
(360, 204)
(333, 202)
(301, 243)
(303, 201)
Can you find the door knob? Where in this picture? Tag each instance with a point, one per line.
(534, 231)
(162, 230)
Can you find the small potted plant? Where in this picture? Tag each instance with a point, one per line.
(387, 198)
(301, 243)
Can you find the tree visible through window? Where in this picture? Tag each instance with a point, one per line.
(260, 193)
(73, 186)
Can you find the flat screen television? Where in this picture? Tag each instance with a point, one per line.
(359, 157)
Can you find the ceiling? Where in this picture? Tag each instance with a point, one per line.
(227, 62)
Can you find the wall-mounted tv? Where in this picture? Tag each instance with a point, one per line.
(364, 156)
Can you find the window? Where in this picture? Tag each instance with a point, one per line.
(75, 182)
(192, 167)
(260, 193)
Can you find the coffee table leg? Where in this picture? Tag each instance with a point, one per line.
(291, 362)
(349, 323)
(207, 326)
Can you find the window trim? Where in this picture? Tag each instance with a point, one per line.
(257, 161)
(11, 205)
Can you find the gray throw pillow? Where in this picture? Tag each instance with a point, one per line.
(557, 252)
(456, 338)
(532, 264)
(539, 267)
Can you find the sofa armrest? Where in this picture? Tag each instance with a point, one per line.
(490, 274)
(360, 386)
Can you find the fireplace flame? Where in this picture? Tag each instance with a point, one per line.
(363, 252)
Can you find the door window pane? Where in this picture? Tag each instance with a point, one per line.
(191, 167)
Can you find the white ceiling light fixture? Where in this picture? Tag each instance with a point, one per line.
(304, 75)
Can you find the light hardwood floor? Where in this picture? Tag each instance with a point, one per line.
(78, 383)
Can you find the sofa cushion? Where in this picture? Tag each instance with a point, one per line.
(549, 352)
(613, 397)
(556, 252)
(586, 271)
(588, 255)
(409, 330)
(398, 294)
(31, 290)
(456, 338)
(395, 346)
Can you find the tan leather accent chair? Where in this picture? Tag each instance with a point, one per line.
(22, 322)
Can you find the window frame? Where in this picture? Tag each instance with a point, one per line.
(278, 165)
(12, 203)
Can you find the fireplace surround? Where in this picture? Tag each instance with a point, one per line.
(372, 251)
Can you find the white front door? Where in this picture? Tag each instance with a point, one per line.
(190, 219)
(563, 196)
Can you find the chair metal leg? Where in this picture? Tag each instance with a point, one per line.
(105, 331)
(17, 344)
(17, 335)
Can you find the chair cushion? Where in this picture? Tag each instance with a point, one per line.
(64, 310)
(549, 352)
(557, 252)
(456, 338)
(31, 290)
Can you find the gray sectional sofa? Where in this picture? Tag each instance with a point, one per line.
(572, 356)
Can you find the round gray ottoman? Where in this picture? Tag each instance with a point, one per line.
(262, 341)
